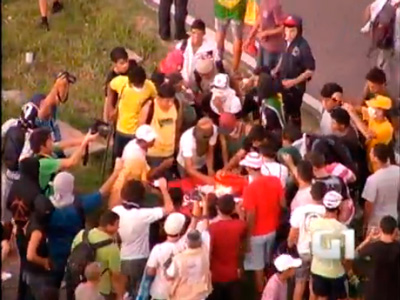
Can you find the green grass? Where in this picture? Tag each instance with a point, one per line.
(79, 41)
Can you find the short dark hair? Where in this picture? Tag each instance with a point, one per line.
(330, 88)
(376, 75)
(199, 25)
(108, 218)
(257, 133)
(118, 53)
(137, 76)
(133, 191)
(318, 190)
(268, 150)
(176, 195)
(39, 138)
(291, 133)
(305, 170)
(166, 90)
(226, 204)
(382, 152)
(157, 78)
(341, 116)
(212, 205)
(388, 224)
(316, 159)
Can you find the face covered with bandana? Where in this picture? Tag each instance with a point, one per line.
(63, 185)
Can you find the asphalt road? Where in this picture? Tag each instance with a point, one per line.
(332, 27)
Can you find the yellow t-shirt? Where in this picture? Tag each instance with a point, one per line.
(134, 169)
(164, 124)
(384, 134)
(330, 268)
(130, 102)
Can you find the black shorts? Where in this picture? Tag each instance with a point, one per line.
(329, 287)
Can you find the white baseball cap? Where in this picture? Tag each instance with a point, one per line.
(332, 200)
(284, 262)
(146, 133)
(174, 223)
(221, 81)
(252, 160)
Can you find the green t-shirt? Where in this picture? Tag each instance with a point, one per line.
(48, 167)
(230, 9)
(107, 256)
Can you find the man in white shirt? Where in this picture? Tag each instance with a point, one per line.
(196, 151)
(198, 46)
(382, 189)
(331, 94)
(300, 235)
(134, 228)
(162, 253)
(270, 167)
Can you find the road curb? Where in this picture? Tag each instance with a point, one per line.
(311, 103)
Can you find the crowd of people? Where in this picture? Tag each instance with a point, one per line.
(215, 192)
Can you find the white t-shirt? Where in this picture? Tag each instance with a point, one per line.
(325, 123)
(382, 189)
(134, 227)
(302, 197)
(301, 218)
(230, 105)
(160, 287)
(271, 168)
(187, 148)
(133, 150)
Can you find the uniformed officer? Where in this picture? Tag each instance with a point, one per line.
(296, 67)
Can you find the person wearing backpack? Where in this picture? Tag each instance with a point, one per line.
(15, 136)
(162, 114)
(97, 245)
(43, 148)
(37, 271)
(69, 216)
(21, 199)
(381, 17)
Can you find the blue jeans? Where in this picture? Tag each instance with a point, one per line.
(268, 59)
(259, 256)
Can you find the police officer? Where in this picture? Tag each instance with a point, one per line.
(296, 67)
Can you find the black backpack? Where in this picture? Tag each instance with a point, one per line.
(13, 145)
(82, 255)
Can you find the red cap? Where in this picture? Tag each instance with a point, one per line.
(227, 121)
(292, 21)
(172, 63)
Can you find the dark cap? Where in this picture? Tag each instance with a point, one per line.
(293, 21)
(175, 78)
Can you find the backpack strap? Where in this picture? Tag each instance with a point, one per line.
(98, 245)
(80, 210)
(184, 45)
(85, 236)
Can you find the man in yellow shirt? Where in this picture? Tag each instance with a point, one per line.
(133, 90)
(162, 114)
(376, 128)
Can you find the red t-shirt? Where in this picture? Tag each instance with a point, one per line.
(226, 238)
(263, 196)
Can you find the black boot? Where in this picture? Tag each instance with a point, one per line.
(57, 7)
(44, 23)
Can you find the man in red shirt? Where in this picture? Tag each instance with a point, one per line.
(262, 203)
(227, 248)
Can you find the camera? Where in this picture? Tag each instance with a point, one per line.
(196, 195)
(100, 127)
